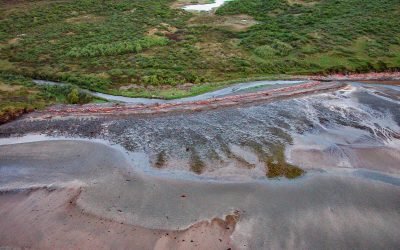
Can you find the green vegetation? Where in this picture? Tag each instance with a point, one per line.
(161, 159)
(283, 169)
(278, 167)
(321, 36)
(117, 48)
(73, 96)
(19, 95)
(148, 48)
(196, 164)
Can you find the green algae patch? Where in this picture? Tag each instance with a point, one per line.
(273, 157)
(196, 164)
(161, 159)
(283, 169)
(276, 166)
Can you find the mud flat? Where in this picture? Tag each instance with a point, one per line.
(59, 223)
(310, 154)
(112, 181)
(237, 141)
(112, 201)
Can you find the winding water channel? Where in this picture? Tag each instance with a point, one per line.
(230, 90)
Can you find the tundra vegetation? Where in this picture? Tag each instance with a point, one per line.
(154, 48)
(19, 95)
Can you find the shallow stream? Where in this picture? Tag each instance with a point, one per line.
(230, 90)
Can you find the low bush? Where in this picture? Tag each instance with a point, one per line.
(116, 48)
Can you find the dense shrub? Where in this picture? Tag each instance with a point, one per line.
(117, 48)
(66, 94)
(73, 96)
(265, 51)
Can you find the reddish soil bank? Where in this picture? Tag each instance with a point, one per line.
(49, 219)
(386, 82)
(383, 76)
(129, 109)
(12, 115)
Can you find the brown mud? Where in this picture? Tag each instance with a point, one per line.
(50, 219)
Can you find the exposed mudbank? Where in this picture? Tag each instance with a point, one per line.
(59, 223)
(203, 176)
(114, 197)
(370, 142)
(237, 141)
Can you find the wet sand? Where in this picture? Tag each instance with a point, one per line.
(234, 142)
(94, 182)
(344, 211)
(374, 158)
(49, 219)
(348, 148)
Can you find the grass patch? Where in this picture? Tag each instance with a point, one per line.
(116, 48)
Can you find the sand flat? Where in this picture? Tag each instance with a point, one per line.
(281, 214)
